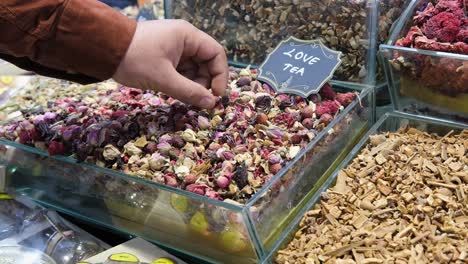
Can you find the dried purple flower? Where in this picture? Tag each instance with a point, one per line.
(71, 132)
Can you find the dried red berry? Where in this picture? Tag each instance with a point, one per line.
(345, 98)
(327, 92)
(327, 107)
(56, 148)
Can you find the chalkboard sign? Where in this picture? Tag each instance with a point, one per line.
(299, 67)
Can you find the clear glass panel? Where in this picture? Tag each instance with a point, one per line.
(174, 219)
(426, 82)
(286, 195)
(390, 122)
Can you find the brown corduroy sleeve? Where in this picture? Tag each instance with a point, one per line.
(69, 36)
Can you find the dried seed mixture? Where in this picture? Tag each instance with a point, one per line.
(249, 30)
(228, 152)
(403, 199)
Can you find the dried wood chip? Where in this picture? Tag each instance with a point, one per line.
(401, 200)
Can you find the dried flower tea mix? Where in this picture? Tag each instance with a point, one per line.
(249, 28)
(403, 199)
(228, 152)
(442, 26)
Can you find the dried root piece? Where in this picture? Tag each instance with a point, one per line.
(412, 208)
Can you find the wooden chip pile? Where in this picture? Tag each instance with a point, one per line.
(403, 199)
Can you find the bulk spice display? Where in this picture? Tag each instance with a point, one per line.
(403, 199)
(226, 153)
(247, 27)
(438, 26)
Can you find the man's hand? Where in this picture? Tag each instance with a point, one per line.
(174, 57)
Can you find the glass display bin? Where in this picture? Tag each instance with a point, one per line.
(250, 29)
(430, 82)
(207, 229)
(390, 122)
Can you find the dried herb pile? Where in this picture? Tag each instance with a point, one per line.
(403, 199)
(250, 29)
(228, 152)
(442, 26)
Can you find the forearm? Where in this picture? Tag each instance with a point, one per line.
(75, 36)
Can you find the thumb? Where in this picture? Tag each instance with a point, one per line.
(176, 85)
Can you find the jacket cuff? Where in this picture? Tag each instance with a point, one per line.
(91, 38)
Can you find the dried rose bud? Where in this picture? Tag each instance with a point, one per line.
(243, 81)
(212, 194)
(196, 188)
(56, 148)
(190, 179)
(177, 141)
(110, 152)
(275, 168)
(308, 123)
(165, 138)
(326, 118)
(224, 155)
(345, 98)
(170, 180)
(203, 122)
(227, 166)
(157, 162)
(223, 182)
(326, 92)
(189, 135)
(214, 146)
(275, 133)
(296, 139)
(274, 158)
(307, 112)
(164, 147)
(151, 147)
(262, 119)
